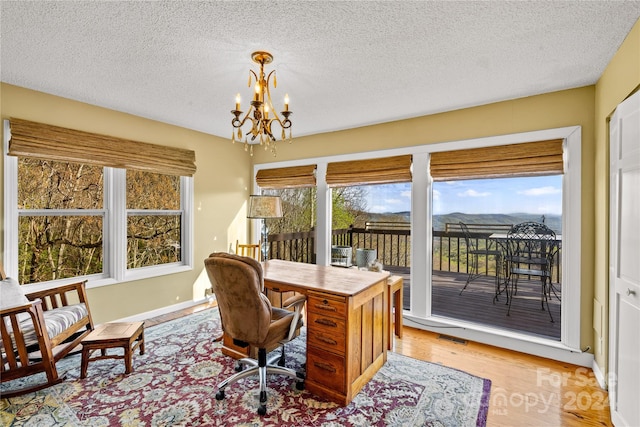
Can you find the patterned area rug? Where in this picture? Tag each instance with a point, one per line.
(174, 384)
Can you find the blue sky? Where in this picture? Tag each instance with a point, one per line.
(536, 195)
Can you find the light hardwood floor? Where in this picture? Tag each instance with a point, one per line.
(525, 390)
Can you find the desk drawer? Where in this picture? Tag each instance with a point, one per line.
(326, 368)
(326, 339)
(327, 306)
(330, 324)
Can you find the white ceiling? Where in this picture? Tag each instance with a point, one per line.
(343, 64)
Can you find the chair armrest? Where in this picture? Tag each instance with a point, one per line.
(24, 308)
(14, 343)
(294, 301)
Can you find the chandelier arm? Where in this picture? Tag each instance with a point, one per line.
(254, 75)
(274, 79)
(236, 122)
(271, 108)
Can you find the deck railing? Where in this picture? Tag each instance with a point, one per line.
(392, 241)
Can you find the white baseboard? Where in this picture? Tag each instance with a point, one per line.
(164, 310)
(602, 382)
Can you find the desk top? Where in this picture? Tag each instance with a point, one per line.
(336, 280)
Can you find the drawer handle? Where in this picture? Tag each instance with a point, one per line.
(630, 292)
(325, 307)
(275, 289)
(326, 340)
(327, 322)
(325, 366)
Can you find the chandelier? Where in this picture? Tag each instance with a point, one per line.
(261, 114)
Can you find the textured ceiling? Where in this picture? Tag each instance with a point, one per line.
(343, 64)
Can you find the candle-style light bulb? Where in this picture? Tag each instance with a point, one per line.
(256, 88)
(286, 102)
(238, 102)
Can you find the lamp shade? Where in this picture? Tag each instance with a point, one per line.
(264, 207)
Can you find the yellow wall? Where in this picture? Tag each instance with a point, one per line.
(221, 188)
(620, 79)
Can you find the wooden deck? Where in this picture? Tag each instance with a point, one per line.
(476, 304)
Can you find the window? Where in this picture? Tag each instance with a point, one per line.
(462, 283)
(292, 237)
(375, 218)
(557, 155)
(154, 219)
(77, 220)
(487, 188)
(60, 220)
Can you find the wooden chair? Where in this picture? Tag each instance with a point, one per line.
(249, 250)
(39, 329)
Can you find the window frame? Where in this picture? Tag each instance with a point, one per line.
(114, 228)
(419, 316)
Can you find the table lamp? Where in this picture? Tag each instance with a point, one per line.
(264, 207)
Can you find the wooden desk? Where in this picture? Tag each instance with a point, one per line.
(347, 324)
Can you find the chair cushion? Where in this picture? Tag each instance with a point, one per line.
(56, 321)
(278, 329)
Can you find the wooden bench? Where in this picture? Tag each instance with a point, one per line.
(481, 229)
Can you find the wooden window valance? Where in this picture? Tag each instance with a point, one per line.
(502, 161)
(42, 141)
(385, 170)
(291, 177)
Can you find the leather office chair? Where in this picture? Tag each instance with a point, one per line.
(248, 317)
(531, 250)
(473, 251)
(249, 250)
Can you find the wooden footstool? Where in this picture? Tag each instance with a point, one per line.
(129, 336)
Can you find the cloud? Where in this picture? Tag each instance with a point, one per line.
(541, 191)
(473, 193)
(393, 201)
(436, 194)
(406, 194)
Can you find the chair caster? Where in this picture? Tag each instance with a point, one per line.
(300, 384)
(239, 367)
(220, 395)
(262, 409)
